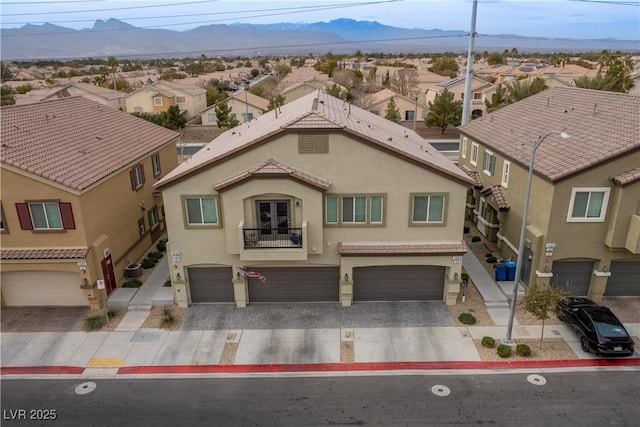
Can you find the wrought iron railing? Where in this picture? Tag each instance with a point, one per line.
(269, 238)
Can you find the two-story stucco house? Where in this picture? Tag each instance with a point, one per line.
(77, 199)
(245, 106)
(325, 200)
(159, 96)
(480, 89)
(410, 109)
(583, 228)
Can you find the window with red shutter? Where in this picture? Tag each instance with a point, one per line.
(67, 216)
(24, 216)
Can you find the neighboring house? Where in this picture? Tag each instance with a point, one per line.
(583, 231)
(159, 96)
(306, 87)
(479, 88)
(102, 95)
(245, 106)
(77, 198)
(377, 104)
(328, 203)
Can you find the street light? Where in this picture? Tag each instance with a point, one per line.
(534, 146)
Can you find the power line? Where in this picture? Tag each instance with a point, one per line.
(108, 10)
(617, 3)
(279, 12)
(22, 3)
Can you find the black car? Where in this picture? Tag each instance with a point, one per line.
(599, 329)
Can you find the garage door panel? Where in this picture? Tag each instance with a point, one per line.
(573, 277)
(295, 284)
(624, 279)
(398, 283)
(42, 288)
(211, 284)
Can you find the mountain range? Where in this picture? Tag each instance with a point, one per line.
(117, 38)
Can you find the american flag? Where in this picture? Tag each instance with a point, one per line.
(253, 274)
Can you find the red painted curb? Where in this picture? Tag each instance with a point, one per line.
(373, 366)
(45, 370)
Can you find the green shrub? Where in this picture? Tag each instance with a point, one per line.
(488, 342)
(466, 229)
(504, 351)
(467, 319)
(476, 239)
(523, 350)
(465, 277)
(168, 318)
(488, 254)
(132, 283)
(161, 246)
(148, 263)
(155, 255)
(167, 284)
(492, 260)
(94, 323)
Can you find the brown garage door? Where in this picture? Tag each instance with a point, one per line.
(398, 283)
(572, 277)
(624, 280)
(295, 284)
(211, 284)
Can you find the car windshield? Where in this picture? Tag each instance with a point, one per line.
(607, 324)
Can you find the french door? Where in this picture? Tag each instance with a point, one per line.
(273, 217)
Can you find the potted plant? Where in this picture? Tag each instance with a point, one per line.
(295, 238)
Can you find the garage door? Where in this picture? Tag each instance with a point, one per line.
(211, 284)
(572, 276)
(398, 283)
(28, 288)
(295, 284)
(624, 280)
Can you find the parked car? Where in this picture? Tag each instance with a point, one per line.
(599, 330)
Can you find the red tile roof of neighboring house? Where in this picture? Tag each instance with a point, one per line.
(76, 142)
(51, 254)
(319, 110)
(601, 125)
(499, 196)
(378, 248)
(273, 169)
(627, 177)
(475, 175)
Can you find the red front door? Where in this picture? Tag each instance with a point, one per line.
(109, 275)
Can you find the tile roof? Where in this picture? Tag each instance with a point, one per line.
(499, 196)
(475, 175)
(319, 110)
(252, 99)
(404, 249)
(188, 89)
(627, 177)
(601, 125)
(384, 95)
(75, 142)
(274, 169)
(50, 254)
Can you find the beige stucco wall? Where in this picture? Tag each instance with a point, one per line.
(351, 166)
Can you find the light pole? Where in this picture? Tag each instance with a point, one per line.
(246, 104)
(534, 146)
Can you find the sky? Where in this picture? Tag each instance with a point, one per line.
(584, 19)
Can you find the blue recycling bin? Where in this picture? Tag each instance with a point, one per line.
(511, 270)
(500, 271)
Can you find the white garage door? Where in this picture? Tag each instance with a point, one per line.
(23, 288)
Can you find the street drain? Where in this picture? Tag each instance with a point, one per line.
(440, 390)
(536, 379)
(85, 388)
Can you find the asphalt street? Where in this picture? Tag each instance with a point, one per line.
(510, 399)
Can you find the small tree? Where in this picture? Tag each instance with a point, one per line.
(392, 112)
(223, 115)
(444, 111)
(6, 95)
(539, 300)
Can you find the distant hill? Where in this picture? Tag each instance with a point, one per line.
(117, 38)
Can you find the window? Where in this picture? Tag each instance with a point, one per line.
(3, 226)
(155, 162)
(201, 210)
(428, 209)
(141, 228)
(409, 115)
(153, 218)
(308, 144)
(46, 215)
(489, 163)
(506, 167)
(463, 147)
(157, 101)
(181, 99)
(474, 154)
(358, 209)
(211, 117)
(588, 204)
(137, 109)
(477, 95)
(137, 177)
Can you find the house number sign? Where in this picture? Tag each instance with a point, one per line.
(175, 255)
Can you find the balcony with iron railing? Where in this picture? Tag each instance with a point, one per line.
(272, 238)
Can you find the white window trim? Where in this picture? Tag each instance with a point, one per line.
(157, 101)
(474, 154)
(155, 163)
(603, 211)
(463, 148)
(202, 224)
(428, 196)
(488, 154)
(353, 210)
(506, 170)
(137, 176)
(46, 216)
